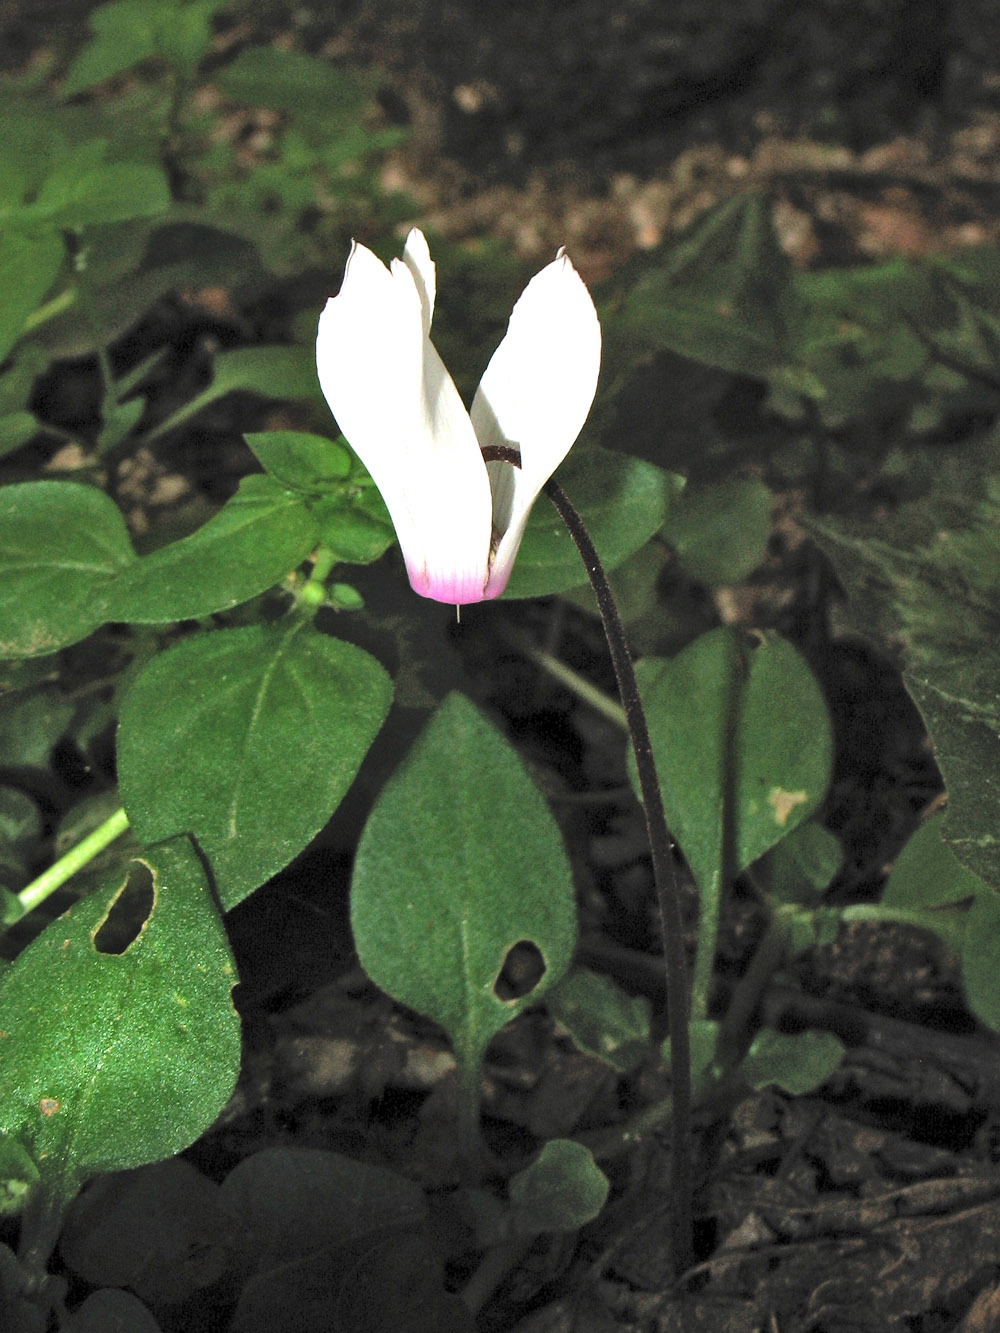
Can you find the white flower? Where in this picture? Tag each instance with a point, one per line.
(458, 517)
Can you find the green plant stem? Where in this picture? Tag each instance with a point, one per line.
(496, 1264)
(664, 875)
(573, 681)
(41, 1222)
(89, 308)
(734, 1030)
(75, 859)
(468, 1072)
(312, 594)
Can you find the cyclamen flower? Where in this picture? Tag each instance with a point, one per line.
(459, 517)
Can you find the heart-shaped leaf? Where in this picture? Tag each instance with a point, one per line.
(459, 861)
(261, 730)
(743, 750)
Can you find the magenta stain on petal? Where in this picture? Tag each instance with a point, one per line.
(451, 588)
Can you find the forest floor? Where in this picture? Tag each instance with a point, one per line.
(873, 1203)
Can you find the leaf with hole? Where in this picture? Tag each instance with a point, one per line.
(461, 860)
(120, 1044)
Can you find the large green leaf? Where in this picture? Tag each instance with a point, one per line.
(721, 296)
(255, 539)
(742, 743)
(112, 1059)
(927, 580)
(287, 81)
(61, 547)
(248, 739)
(623, 502)
(459, 861)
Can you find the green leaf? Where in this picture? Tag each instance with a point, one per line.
(295, 1201)
(928, 874)
(301, 461)
(252, 543)
(271, 372)
(722, 296)
(602, 1019)
(459, 861)
(162, 1230)
(112, 1059)
(797, 1062)
(16, 429)
(562, 1190)
(20, 834)
(127, 32)
(927, 579)
(979, 951)
(61, 547)
(287, 81)
(108, 192)
(623, 502)
(720, 531)
(261, 730)
(119, 421)
(111, 1309)
(350, 529)
(353, 522)
(801, 867)
(18, 1176)
(29, 265)
(31, 722)
(928, 886)
(743, 750)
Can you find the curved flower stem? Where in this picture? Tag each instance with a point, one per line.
(664, 874)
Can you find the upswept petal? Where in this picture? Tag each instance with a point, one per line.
(535, 396)
(417, 258)
(399, 409)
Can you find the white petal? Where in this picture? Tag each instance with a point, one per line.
(417, 259)
(535, 396)
(400, 411)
